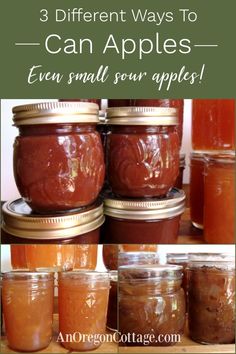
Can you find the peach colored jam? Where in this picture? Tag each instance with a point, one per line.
(28, 308)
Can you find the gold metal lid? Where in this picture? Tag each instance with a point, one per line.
(20, 221)
(156, 208)
(142, 116)
(56, 112)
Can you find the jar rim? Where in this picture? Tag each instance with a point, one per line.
(227, 158)
(178, 256)
(156, 208)
(55, 113)
(26, 275)
(20, 221)
(150, 272)
(132, 115)
(211, 257)
(89, 274)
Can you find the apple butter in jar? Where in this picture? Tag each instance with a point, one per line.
(58, 155)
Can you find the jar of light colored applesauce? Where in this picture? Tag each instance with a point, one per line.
(28, 309)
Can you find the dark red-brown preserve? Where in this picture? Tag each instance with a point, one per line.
(22, 225)
(142, 151)
(176, 103)
(58, 155)
(135, 221)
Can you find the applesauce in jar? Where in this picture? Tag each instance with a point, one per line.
(219, 198)
(151, 302)
(28, 309)
(213, 124)
(83, 302)
(211, 298)
(197, 189)
(18, 258)
(85, 257)
(142, 151)
(51, 257)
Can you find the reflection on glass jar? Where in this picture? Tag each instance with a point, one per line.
(110, 256)
(22, 225)
(18, 259)
(83, 302)
(197, 189)
(142, 151)
(85, 257)
(211, 298)
(151, 301)
(219, 198)
(112, 304)
(131, 258)
(50, 257)
(141, 221)
(28, 309)
(58, 155)
(213, 124)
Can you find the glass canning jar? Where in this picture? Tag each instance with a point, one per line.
(219, 198)
(211, 298)
(83, 302)
(142, 151)
(143, 221)
(58, 155)
(28, 309)
(22, 225)
(151, 302)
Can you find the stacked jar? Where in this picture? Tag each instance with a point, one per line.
(142, 156)
(59, 171)
(212, 169)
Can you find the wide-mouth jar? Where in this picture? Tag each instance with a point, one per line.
(143, 221)
(83, 302)
(197, 188)
(211, 298)
(219, 198)
(142, 290)
(142, 151)
(22, 225)
(28, 309)
(130, 258)
(58, 155)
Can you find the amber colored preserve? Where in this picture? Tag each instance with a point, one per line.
(197, 189)
(110, 256)
(213, 124)
(85, 256)
(137, 248)
(53, 257)
(28, 308)
(83, 302)
(18, 259)
(219, 199)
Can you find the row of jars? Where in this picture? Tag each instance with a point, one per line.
(212, 195)
(88, 301)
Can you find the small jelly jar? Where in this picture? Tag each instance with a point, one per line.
(22, 225)
(143, 221)
(85, 257)
(58, 155)
(197, 189)
(131, 258)
(211, 298)
(219, 198)
(54, 258)
(213, 124)
(151, 301)
(28, 309)
(142, 151)
(83, 302)
(18, 257)
(113, 299)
